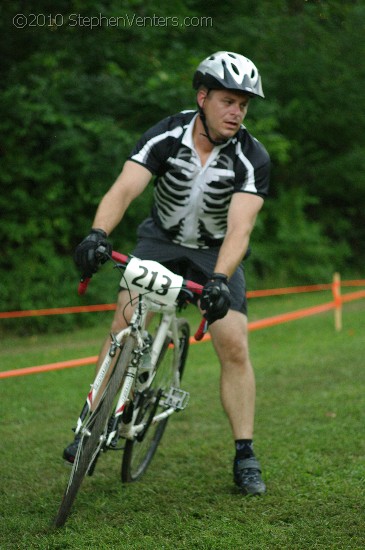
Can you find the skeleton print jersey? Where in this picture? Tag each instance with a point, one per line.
(191, 201)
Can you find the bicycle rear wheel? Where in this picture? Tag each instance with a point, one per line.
(138, 454)
(97, 425)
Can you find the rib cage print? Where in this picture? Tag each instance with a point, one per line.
(192, 201)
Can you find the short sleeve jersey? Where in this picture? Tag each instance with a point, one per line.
(191, 201)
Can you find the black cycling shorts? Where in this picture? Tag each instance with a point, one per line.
(191, 263)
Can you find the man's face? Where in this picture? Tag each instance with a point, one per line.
(224, 111)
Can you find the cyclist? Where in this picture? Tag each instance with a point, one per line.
(211, 178)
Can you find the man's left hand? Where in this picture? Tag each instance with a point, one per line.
(216, 298)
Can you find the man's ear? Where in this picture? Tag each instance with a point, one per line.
(201, 96)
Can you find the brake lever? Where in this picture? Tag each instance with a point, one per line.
(101, 254)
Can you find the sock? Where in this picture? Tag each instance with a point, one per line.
(244, 448)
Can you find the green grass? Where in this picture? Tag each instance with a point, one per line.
(309, 438)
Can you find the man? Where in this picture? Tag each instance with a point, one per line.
(211, 180)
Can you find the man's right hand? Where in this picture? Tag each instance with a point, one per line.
(85, 253)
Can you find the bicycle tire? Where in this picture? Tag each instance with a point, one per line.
(138, 454)
(90, 446)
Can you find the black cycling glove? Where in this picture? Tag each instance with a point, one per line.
(216, 298)
(85, 255)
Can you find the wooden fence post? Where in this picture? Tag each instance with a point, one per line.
(336, 291)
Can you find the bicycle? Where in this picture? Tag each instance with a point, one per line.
(135, 399)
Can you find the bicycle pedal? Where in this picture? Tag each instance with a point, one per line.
(177, 399)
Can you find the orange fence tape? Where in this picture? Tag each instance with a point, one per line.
(353, 296)
(52, 366)
(253, 325)
(110, 307)
(292, 316)
(358, 282)
(55, 311)
(289, 290)
(69, 364)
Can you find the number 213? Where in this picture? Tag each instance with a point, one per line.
(164, 287)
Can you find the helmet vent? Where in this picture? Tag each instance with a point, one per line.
(253, 73)
(235, 69)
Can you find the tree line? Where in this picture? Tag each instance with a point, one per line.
(74, 98)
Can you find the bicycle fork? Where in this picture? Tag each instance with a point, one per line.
(100, 379)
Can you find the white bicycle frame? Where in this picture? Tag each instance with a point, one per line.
(147, 302)
(167, 328)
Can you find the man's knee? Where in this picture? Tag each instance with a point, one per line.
(231, 330)
(235, 355)
(231, 346)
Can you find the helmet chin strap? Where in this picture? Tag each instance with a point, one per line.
(207, 134)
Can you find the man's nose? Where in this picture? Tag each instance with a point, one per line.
(236, 110)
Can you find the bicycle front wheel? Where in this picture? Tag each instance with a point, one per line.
(139, 453)
(95, 431)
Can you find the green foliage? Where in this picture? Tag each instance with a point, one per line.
(317, 80)
(292, 233)
(75, 98)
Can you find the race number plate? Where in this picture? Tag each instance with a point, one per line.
(151, 278)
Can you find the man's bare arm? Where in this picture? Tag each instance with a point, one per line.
(130, 184)
(241, 221)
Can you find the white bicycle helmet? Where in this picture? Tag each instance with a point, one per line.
(230, 71)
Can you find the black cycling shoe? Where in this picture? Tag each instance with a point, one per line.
(69, 453)
(247, 476)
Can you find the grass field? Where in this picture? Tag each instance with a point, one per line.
(309, 438)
